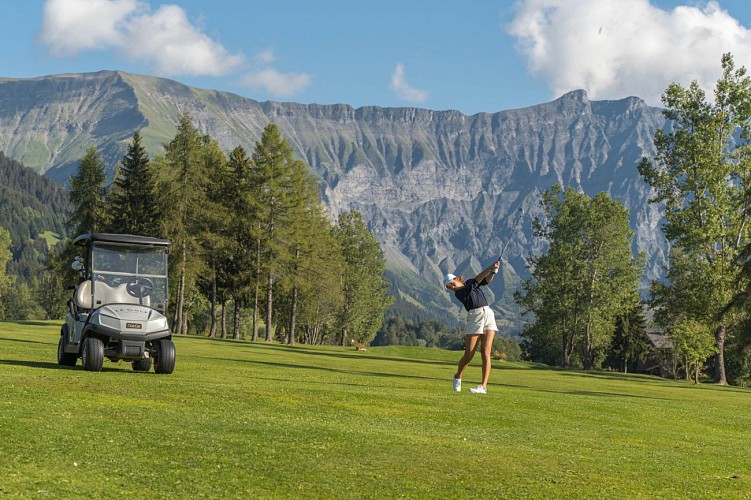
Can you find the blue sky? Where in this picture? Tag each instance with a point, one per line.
(473, 55)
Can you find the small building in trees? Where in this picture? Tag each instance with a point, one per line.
(661, 358)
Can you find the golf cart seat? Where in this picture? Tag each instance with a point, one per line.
(104, 294)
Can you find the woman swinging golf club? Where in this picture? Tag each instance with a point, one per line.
(480, 321)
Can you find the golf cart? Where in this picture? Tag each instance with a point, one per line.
(118, 307)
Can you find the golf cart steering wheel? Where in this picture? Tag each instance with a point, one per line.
(140, 287)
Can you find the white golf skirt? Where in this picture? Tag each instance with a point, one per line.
(479, 320)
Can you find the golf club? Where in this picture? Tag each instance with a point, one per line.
(513, 230)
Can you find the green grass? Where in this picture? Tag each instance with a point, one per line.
(243, 420)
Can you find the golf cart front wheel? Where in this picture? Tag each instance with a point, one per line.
(92, 357)
(164, 359)
(65, 358)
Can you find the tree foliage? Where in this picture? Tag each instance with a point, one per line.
(87, 195)
(701, 175)
(363, 285)
(587, 278)
(132, 200)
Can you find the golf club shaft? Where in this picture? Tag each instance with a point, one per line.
(513, 230)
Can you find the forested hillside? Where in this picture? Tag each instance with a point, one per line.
(33, 208)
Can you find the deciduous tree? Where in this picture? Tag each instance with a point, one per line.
(701, 175)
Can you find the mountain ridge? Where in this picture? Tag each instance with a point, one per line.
(438, 188)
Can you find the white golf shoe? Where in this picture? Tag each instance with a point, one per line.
(478, 390)
(457, 384)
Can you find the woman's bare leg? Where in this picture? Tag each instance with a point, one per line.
(487, 345)
(469, 352)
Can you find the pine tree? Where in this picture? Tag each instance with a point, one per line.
(87, 195)
(184, 187)
(277, 179)
(132, 202)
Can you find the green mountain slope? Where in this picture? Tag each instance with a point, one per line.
(33, 208)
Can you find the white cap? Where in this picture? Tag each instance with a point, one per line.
(447, 279)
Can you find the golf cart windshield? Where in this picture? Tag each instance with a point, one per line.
(126, 273)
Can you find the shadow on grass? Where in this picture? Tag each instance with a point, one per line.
(307, 349)
(54, 366)
(34, 364)
(325, 369)
(26, 341)
(579, 392)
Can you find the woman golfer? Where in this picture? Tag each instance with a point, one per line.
(480, 322)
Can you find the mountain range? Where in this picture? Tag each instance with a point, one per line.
(440, 190)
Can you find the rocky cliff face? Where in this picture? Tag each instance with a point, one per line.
(439, 189)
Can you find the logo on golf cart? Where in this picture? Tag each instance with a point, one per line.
(133, 325)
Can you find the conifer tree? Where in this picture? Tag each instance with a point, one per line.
(277, 179)
(184, 200)
(132, 200)
(87, 195)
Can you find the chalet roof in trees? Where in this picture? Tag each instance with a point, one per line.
(658, 340)
(130, 239)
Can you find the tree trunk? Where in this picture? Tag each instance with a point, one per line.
(255, 314)
(236, 329)
(293, 318)
(178, 318)
(224, 318)
(588, 349)
(269, 306)
(212, 328)
(255, 291)
(720, 376)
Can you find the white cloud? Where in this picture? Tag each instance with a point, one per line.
(71, 26)
(629, 47)
(165, 39)
(402, 89)
(264, 57)
(276, 83)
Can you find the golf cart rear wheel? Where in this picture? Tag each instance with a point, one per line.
(92, 357)
(65, 358)
(164, 359)
(142, 365)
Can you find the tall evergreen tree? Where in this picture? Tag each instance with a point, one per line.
(87, 195)
(629, 345)
(238, 269)
(184, 198)
(132, 201)
(277, 179)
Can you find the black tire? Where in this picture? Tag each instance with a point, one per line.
(65, 358)
(92, 357)
(142, 365)
(164, 358)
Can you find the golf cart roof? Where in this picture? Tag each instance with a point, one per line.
(130, 239)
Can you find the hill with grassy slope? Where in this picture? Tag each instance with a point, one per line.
(33, 208)
(238, 419)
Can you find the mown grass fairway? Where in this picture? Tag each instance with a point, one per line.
(249, 420)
